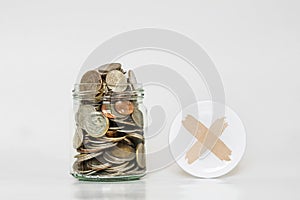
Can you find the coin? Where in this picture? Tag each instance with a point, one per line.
(114, 128)
(140, 155)
(136, 170)
(111, 133)
(117, 168)
(137, 117)
(77, 138)
(97, 149)
(123, 123)
(130, 130)
(121, 168)
(132, 79)
(93, 141)
(109, 158)
(105, 108)
(96, 124)
(82, 112)
(80, 168)
(124, 107)
(103, 90)
(127, 168)
(109, 67)
(123, 151)
(114, 139)
(116, 114)
(91, 81)
(88, 156)
(96, 165)
(128, 142)
(116, 81)
(135, 136)
(80, 155)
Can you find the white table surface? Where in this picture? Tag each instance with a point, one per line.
(42, 178)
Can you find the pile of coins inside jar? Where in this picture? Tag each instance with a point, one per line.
(109, 136)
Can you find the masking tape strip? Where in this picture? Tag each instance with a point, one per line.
(202, 133)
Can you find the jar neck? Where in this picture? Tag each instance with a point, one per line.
(107, 95)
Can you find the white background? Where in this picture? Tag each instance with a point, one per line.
(254, 44)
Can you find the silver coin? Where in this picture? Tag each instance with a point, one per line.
(117, 168)
(79, 168)
(88, 156)
(121, 168)
(94, 164)
(127, 168)
(132, 80)
(133, 130)
(115, 128)
(77, 138)
(123, 123)
(137, 117)
(116, 81)
(82, 112)
(96, 124)
(91, 81)
(97, 149)
(88, 142)
(112, 159)
(109, 67)
(136, 170)
(140, 155)
(91, 173)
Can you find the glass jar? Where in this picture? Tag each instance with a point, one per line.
(108, 144)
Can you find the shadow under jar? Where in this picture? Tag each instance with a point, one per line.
(108, 142)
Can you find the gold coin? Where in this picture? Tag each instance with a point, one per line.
(111, 133)
(124, 107)
(80, 155)
(140, 155)
(114, 134)
(123, 151)
(135, 136)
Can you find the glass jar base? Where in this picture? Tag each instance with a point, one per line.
(81, 177)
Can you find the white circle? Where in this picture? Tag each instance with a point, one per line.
(208, 165)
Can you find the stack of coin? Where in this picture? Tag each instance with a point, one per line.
(109, 136)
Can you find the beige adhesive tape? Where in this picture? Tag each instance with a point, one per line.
(202, 133)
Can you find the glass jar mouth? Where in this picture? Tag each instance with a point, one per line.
(90, 91)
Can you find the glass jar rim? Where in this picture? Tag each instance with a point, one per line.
(136, 91)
